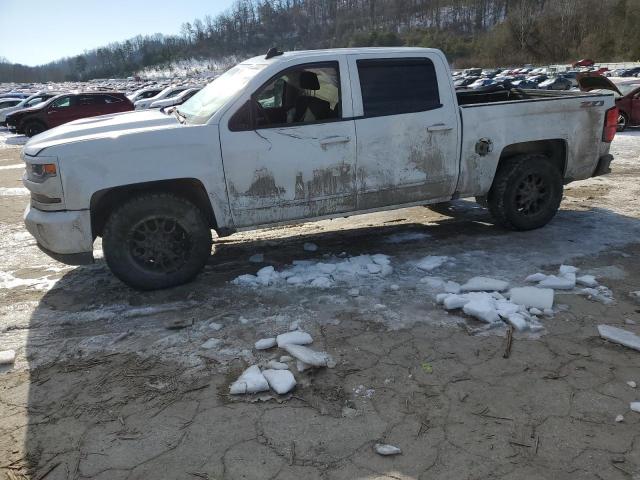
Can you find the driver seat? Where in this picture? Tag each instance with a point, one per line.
(308, 108)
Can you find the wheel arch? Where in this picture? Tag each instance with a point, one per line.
(104, 201)
(554, 149)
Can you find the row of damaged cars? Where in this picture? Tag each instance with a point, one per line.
(31, 114)
(524, 78)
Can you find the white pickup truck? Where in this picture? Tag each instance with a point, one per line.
(304, 135)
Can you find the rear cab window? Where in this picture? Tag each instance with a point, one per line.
(392, 86)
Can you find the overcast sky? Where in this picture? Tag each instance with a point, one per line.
(39, 31)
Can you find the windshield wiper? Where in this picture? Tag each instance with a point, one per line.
(181, 118)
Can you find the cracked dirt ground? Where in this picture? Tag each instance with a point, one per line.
(102, 390)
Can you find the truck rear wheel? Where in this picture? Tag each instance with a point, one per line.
(156, 241)
(526, 192)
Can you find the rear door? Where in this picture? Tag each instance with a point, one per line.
(89, 106)
(406, 129)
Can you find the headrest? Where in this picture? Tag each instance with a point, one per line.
(309, 81)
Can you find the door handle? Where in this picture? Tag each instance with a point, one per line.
(439, 127)
(332, 140)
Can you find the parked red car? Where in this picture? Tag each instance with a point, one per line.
(585, 62)
(66, 108)
(627, 98)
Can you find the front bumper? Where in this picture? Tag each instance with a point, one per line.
(64, 235)
(604, 165)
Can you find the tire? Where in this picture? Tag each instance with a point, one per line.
(136, 235)
(623, 122)
(33, 128)
(526, 192)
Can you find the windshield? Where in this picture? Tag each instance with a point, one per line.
(199, 108)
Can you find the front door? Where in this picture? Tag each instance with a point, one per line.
(290, 151)
(61, 110)
(407, 129)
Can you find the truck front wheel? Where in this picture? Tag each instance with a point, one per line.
(155, 241)
(526, 192)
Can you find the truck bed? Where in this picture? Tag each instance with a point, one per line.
(570, 123)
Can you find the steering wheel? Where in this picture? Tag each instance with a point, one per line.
(262, 117)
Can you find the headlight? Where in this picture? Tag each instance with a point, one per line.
(39, 172)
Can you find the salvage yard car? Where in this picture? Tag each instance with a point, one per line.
(66, 108)
(627, 95)
(298, 136)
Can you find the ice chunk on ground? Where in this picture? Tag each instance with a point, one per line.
(381, 259)
(518, 321)
(386, 450)
(251, 381)
(245, 280)
(310, 247)
(286, 358)
(601, 294)
(535, 311)
(211, 343)
(452, 287)
(441, 297)
(374, 268)
(587, 281)
(280, 381)
(326, 268)
(7, 357)
(432, 262)
(301, 366)
(394, 287)
(310, 357)
(567, 282)
(265, 343)
(275, 365)
(568, 269)
(320, 274)
(296, 337)
(257, 258)
(484, 284)
(632, 384)
(536, 277)
(321, 282)
(635, 406)
(483, 308)
(451, 302)
(215, 326)
(539, 298)
(619, 419)
(618, 335)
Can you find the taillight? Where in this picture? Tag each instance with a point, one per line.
(610, 125)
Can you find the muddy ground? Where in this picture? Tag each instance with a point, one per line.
(101, 389)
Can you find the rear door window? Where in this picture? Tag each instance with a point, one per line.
(395, 86)
(85, 100)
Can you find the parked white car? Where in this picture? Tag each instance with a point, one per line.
(144, 93)
(28, 102)
(176, 99)
(166, 93)
(298, 136)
